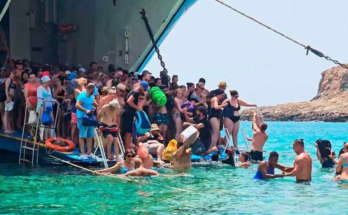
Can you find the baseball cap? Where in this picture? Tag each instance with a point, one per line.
(145, 85)
(72, 76)
(67, 72)
(114, 103)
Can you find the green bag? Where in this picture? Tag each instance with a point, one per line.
(158, 96)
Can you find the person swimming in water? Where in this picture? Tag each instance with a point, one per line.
(259, 139)
(122, 167)
(342, 165)
(302, 169)
(182, 157)
(244, 159)
(266, 168)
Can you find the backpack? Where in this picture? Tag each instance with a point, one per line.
(142, 123)
(324, 147)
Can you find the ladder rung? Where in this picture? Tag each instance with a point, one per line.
(26, 160)
(26, 147)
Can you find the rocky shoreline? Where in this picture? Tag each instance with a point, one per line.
(329, 105)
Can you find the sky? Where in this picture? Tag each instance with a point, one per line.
(216, 43)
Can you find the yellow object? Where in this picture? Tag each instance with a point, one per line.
(171, 148)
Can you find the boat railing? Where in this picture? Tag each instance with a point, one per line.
(35, 127)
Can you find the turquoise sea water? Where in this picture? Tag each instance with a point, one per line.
(215, 188)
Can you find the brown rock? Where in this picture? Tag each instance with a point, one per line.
(330, 104)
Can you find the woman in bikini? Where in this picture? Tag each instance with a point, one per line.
(177, 112)
(10, 88)
(231, 115)
(124, 166)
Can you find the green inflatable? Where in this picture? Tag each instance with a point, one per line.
(158, 96)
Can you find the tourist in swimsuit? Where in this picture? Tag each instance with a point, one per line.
(155, 142)
(244, 159)
(124, 166)
(302, 169)
(182, 157)
(108, 118)
(197, 97)
(259, 139)
(10, 88)
(231, 115)
(266, 168)
(177, 113)
(215, 115)
(30, 90)
(342, 165)
(59, 95)
(328, 162)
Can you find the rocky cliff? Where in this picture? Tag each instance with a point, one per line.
(329, 105)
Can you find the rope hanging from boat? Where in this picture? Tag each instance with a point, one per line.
(143, 16)
(308, 48)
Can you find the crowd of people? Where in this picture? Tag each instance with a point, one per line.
(116, 98)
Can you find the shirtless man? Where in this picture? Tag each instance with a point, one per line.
(303, 163)
(108, 116)
(259, 139)
(182, 157)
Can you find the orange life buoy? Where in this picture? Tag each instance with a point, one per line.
(70, 147)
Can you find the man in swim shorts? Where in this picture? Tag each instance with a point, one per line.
(302, 169)
(107, 116)
(266, 168)
(259, 139)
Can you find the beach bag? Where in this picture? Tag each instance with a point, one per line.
(189, 105)
(324, 147)
(189, 135)
(157, 96)
(46, 118)
(32, 117)
(142, 123)
(197, 147)
(89, 120)
(169, 151)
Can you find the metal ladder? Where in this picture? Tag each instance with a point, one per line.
(31, 143)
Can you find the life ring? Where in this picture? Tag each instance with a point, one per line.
(50, 144)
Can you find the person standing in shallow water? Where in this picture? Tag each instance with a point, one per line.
(231, 115)
(302, 169)
(259, 139)
(266, 168)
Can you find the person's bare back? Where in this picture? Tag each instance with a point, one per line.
(183, 162)
(303, 163)
(258, 141)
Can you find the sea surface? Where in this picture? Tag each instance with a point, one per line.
(208, 188)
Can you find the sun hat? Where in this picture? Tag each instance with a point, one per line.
(45, 79)
(154, 127)
(222, 84)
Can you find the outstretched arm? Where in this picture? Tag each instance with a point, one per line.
(263, 168)
(245, 104)
(284, 168)
(255, 125)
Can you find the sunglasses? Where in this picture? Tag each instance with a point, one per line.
(141, 98)
(130, 156)
(122, 91)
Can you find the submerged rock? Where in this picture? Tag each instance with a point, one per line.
(329, 105)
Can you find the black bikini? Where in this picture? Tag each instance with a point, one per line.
(229, 112)
(214, 113)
